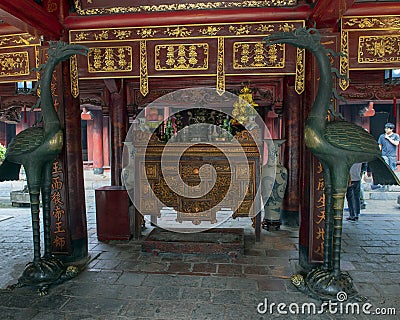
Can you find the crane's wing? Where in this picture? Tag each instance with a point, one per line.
(25, 142)
(351, 137)
(382, 173)
(9, 171)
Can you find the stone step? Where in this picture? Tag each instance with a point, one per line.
(381, 195)
(226, 241)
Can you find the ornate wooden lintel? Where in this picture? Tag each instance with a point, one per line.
(371, 92)
(369, 42)
(177, 51)
(120, 6)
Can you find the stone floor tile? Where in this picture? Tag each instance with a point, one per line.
(204, 268)
(179, 267)
(206, 311)
(134, 293)
(152, 267)
(229, 269)
(252, 269)
(240, 312)
(18, 314)
(197, 294)
(241, 283)
(166, 293)
(158, 309)
(214, 282)
(102, 276)
(271, 285)
(172, 280)
(99, 306)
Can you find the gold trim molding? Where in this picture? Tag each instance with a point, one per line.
(221, 66)
(300, 78)
(181, 6)
(344, 60)
(144, 74)
(18, 40)
(73, 69)
(371, 23)
(198, 31)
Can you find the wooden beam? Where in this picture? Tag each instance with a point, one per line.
(30, 17)
(300, 12)
(374, 8)
(327, 13)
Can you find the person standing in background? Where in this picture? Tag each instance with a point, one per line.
(365, 173)
(353, 192)
(388, 143)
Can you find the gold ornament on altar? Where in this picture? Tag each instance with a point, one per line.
(243, 109)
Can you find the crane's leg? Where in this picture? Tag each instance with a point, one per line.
(340, 181)
(328, 229)
(46, 192)
(322, 283)
(33, 177)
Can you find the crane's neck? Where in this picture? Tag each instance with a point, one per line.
(319, 110)
(51, 122)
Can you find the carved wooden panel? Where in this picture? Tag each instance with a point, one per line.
(209, 50)
(204, 188)
(370, 42)
(18, 56)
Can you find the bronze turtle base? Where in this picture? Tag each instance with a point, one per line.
(325, 285)
(43, 274)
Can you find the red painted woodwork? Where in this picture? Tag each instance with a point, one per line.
(293, 133)
(89, 134)
(75, 192)
(306, 208)
(3, 133)
(106, 142)
(97, 140)
(327, 13)
(188, 17)
(119, 127)
(374, 8)
(30, 17)
(86, 116)
(112, 213)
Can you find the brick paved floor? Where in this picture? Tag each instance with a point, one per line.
(121, 282)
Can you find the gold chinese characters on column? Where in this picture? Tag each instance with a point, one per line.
(60, 241)
(318, 215)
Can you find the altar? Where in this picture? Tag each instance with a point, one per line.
(201, 182)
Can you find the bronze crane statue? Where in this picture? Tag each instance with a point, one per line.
(36, 148)
(338, 145)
